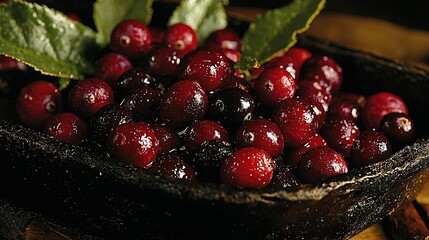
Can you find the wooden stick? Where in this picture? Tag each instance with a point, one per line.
(406, 223)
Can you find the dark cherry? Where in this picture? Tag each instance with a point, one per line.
(230, 107)
(379, 105)
(131, 38)
(67, 127)
(37, 103)
(183, 103)
(297, 121)
(224, 39)
(283, 178)
(314, 91)
(144, 103)
(157, 34)
(111, 66)
(168, 139)
(86, 97)
(398, 128)
(318, 109)
(134, 79)
(344, 109)
(106, 119)
(358, 99)
(165, 82)
(340, 135)
(260, 133)
(181, 37)
(134, 143)
(238, 83)
(174, 167)
(274, 85)
(291, 61)
(202, 131)
(320, 163)
(163, 60)
(325, 71)
(211, 69)
(294, 154)
(209, 158)
(8, 64)
(370, 147)
(247, 168)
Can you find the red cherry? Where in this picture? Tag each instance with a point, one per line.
(274, 85)
(202, 131)
(131, 38)
(174, 167)
(181, 37)
(67, 127)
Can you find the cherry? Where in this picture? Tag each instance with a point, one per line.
(134, 143)
(320, 163)
(157, 34)
(174, 167)
(224, 39)
(238, 83)
(134, 79)
(144, 103)
(211, 69)
(247, 168)
(67, 127)
(344, 109)
(260, 133)
(379, 105)
(318, 109)
(357, 99)
(340, 135)
(8, 64)
(274, 85)
(209, 158)
(370, 147)
(86, 97)
(291, 61)
(111, 66)
(232, 55)
(168, 139)
(283, 178)
(325, 71)
(297, 121)
(230, 107)
(294, 154)
(131, 38)
(37, 103)
(314, 91)
(74, 17)
(181, 37)
(106, 119)
(398, 128)
(183, 103)
(202, 131)
(163, 60)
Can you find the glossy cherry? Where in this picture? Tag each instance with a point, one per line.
(291, 61)
(111, 66)
(131, 38)
(168, 139)
(181, 37)
(134, 143)
(379, 105)
(283, 178)
(224, 39)
(314, 91)
(370, 147)
(202, 131)
(143, 103)
(67, 127)
(183, 103)
(344, 109)
(340, 135)
(37, 103)
(274, 85)
(320, 163)
(247, 168)
(238, 83)
(86, 97)
(134, 79)
(163, 60)
(294, 154)
(260, 133)
(8, 64)
(174, 167)
(398, 128)
(325, 71)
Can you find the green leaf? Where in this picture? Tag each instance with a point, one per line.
(108, 13)
(46, 39)
(204, 16)
(276, 30)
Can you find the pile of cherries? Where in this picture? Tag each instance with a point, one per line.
(162, 102)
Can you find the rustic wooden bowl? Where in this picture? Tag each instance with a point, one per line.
(91, 192)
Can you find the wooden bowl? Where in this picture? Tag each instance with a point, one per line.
(90, 191)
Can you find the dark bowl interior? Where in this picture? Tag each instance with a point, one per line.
(92, 192)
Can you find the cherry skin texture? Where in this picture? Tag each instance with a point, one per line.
(181, 37)
(379, 105)
(201, 131)
(340, 135)
(320, 163)
(325, 71)
(174, 167)
(134, 143)
(168, 139)
(398, 128)
(37, 103)
(144, 104)
(224, 39)
(283, 178)
(274, 85)
(247, 168)
(291, 61)
(163, 60)
(111, 66)
(260, 133)
(67, 127)
(131, 38)
(294, 155)
(183, 103)
(88, 96)
(370, 147)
